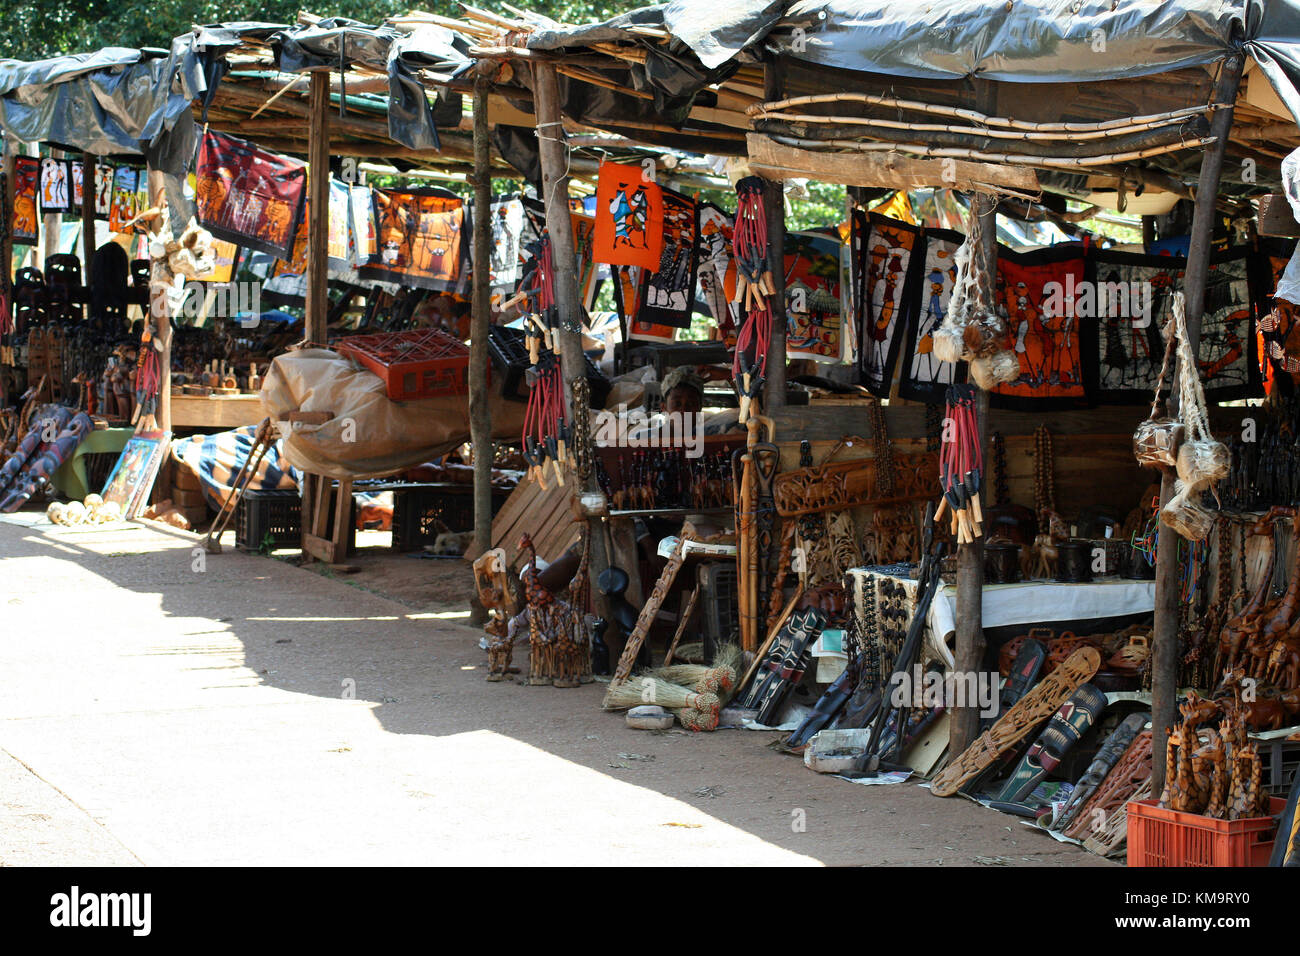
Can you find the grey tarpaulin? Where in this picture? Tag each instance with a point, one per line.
(1022, 42)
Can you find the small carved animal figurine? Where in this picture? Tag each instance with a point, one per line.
(1039, 561)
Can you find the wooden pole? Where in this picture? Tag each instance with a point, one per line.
(161, 314)
(480, 416)
(1165, 655)
(88, 213)
(559, 225)
(774, 204)
(969, 656)
(318, 157)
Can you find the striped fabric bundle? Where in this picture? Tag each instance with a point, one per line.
(217, 460)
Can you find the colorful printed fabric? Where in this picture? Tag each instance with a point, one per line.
(1226, 353)
(78, 183)
(584, 237)
(423, 240)
(217, 460)
(364, 232)
(507, 217)
(1036, 294)
(339, 239)
(122, 205)
(629, 217)
(1279, 343)
(812, 297)
(1128, 304)
(716, 270)
(103, 191)
(225, 254)
(56, 186)
(924, 378)
(669, 292)
(883, 252)
(249, 196)
(26, 223)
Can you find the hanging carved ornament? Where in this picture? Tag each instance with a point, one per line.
(834, 486)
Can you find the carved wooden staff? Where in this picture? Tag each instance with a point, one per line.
(651, 609)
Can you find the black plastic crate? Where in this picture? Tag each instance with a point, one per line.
(279, 514)
(718, 606)
(508, 351)
(418, 508)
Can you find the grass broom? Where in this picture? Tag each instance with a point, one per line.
(651, 690)
(720, 677)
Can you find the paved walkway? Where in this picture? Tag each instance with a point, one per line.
(157, 711)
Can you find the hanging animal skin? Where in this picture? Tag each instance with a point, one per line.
(1101, 765)
(1068, 724)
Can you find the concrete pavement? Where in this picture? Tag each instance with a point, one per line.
(160, 706)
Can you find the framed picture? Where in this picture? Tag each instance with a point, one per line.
(133, 476)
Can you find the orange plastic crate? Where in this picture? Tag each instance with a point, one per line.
(415, 364)
(1159, 837)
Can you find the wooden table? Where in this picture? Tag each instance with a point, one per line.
(216, 412)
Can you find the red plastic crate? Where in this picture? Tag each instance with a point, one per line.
(416, 364)
(1159, 837)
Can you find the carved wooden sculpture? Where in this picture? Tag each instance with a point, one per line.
(1121, 785)
(650, 610)
(1067, 725)
(1019, 721)
(835, 486)
(556, 637)
(1246, 797)
(494, 594)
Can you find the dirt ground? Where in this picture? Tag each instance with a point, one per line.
(164, 706)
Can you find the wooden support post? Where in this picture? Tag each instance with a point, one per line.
(163, 332)
(318, 158)
(969, 656)
(1165, 653)
(559, 225)
(88, 213)
(480, 416)
(774, 205)
(7, 233)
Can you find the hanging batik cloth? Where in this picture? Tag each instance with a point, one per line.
(339, 238)
(26, 222)
(669, 292)
(1125, 307)
(629, 217)
(365, 242)
(885, 286)
(716, 271)
(924, 377)
(1036, 294)
(423, 240)
(248, 196)
(507, 218)
(125, 200)
(103, 191)
(584, 238)
(812, 297)
(56, 186)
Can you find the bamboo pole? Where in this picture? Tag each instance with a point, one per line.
(973, 131)
(975, 116)
(1165, 656)
(774, 205)
(1022, 159)
(480, 415)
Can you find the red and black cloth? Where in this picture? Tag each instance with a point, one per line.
(249, 196)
